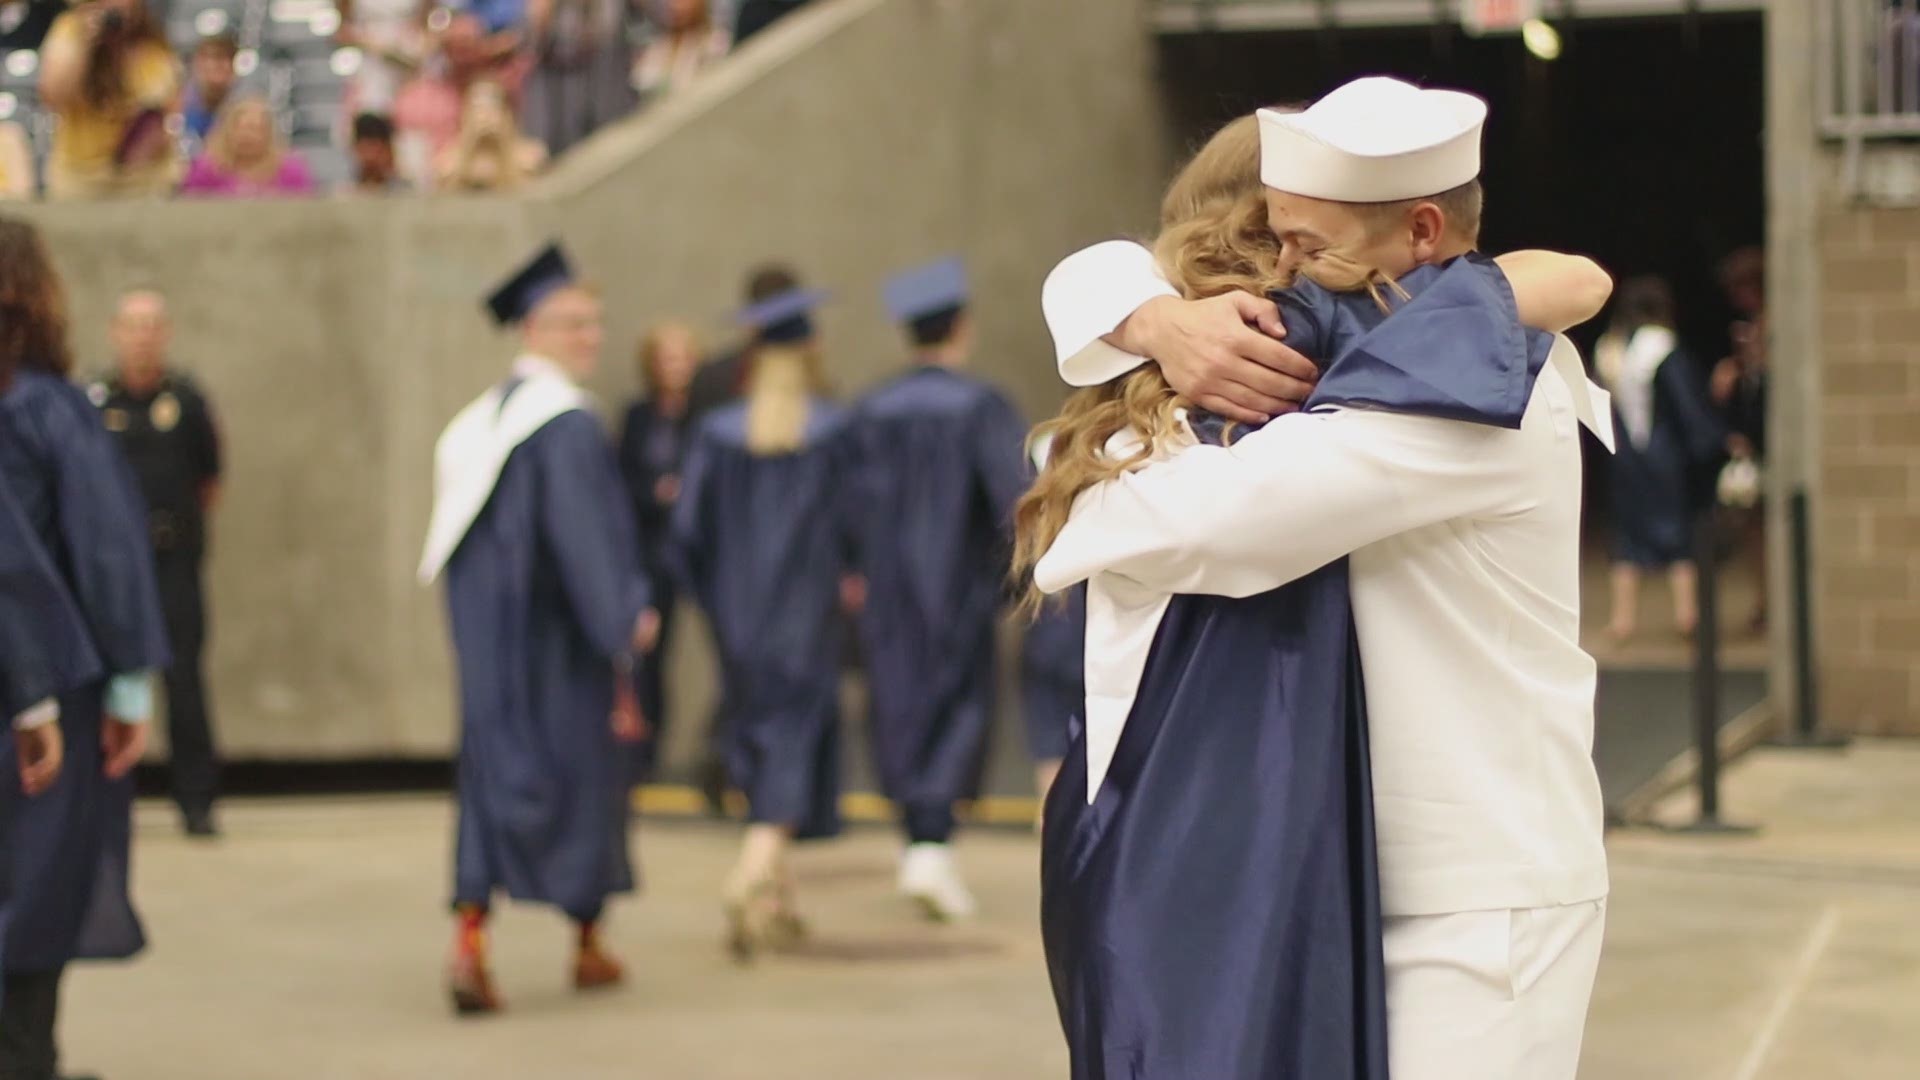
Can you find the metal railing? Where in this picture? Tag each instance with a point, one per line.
(1866, 75)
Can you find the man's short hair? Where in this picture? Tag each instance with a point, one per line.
(770, 280)
(936, 329)
(226, 43)
(372, 126)
(1462, 206)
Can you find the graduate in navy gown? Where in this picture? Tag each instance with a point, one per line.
(69, 845)
(1210, 897)
(45, 649)
(941, 463)
(1053, 688)
(760, 537)
(1667, 438)
(653, 450)
(548, 606)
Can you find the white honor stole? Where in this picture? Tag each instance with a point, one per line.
(475, 446)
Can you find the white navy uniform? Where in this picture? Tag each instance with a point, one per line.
(1465, 579)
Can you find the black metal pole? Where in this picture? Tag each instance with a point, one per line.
(1706, 676)
(1706, 665)
(1806, 725)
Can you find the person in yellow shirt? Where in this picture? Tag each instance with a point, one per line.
(107, 73)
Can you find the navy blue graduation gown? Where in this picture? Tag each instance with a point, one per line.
(69, 859)
(543, 594)
(44, 645)
(1215, 910)
(1053, 689)
(653, 446)
(762, 542)
(941, 463)
(1656, 490)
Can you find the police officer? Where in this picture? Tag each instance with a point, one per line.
(166, 430)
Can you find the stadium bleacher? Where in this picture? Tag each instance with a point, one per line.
(287, 54)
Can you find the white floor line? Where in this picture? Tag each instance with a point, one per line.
(1817, 941)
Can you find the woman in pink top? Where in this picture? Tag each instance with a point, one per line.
(246, 157)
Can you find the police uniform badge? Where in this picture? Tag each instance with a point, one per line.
(165, 413)
(98, 394)
(114, 420)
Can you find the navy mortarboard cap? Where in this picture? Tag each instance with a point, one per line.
(784, 318)
(931, 289)
(543, 275)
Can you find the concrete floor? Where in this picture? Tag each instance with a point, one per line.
(307, 946)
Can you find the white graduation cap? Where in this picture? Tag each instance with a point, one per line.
(1374, 140)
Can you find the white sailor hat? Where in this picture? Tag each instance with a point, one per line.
(1374, 140)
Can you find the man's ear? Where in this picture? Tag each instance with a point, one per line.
(1427, 225)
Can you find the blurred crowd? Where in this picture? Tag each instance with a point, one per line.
(466, 96)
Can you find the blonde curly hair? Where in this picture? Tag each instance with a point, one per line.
(1214, 239)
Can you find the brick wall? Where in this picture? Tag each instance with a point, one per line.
(1867, 489)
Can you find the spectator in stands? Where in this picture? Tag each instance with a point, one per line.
(757, 15)
(109, 77)
(582, 78)
(689, 40)
(17, 179)
(491, 154)
(497, 16)
(24, 23)
(246, 157)
(376, 170)
(211, 80)
(427, 112)
(392, 38)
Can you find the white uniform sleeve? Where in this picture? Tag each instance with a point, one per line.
(1285, 501)
(1090, 293)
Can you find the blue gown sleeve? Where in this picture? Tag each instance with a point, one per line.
(587, 526)
(44, 647)
(1702, 432)
(1455, 350)
(101, 523)
(688, 548)
(999, 455)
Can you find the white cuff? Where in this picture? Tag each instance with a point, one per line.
(38, 715)
(130, 697)
(1090, 293)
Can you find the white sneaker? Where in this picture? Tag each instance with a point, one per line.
(929, 876)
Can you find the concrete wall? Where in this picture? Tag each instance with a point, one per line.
(336, 338)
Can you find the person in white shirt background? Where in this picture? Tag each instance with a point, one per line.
(1464, 544)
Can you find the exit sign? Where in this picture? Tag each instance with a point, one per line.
(1497, 16)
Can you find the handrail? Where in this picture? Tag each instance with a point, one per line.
(1866, 75)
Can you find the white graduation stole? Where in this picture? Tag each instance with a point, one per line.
(474, 449)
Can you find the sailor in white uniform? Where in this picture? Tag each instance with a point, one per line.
(1464, 541)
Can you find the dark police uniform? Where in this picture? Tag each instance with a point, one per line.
(170, 440)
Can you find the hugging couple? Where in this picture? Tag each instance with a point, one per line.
(1333, 814)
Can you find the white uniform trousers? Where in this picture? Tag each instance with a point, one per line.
(1491, 995)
